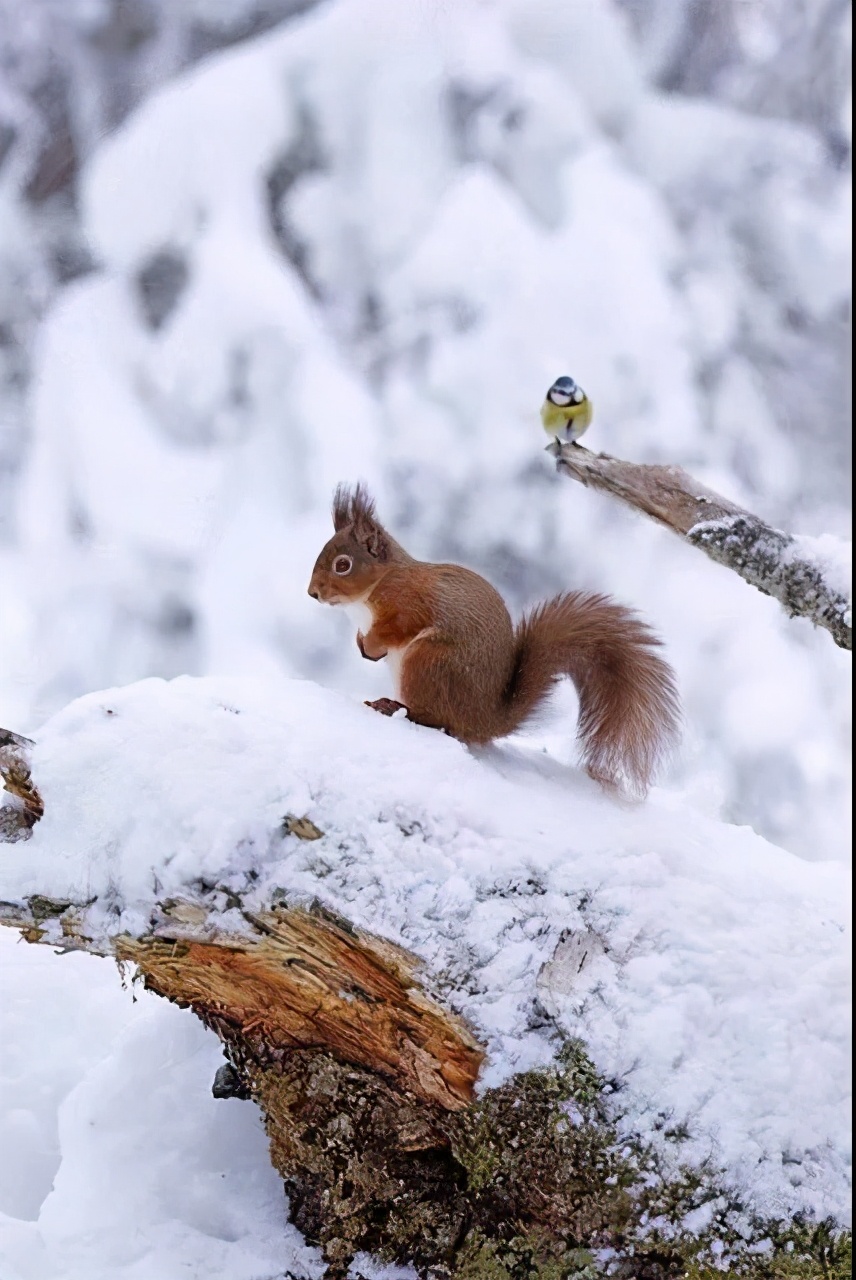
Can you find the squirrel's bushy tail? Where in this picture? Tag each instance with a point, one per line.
(629, 706)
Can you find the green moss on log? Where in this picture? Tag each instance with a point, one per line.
(532, 1182)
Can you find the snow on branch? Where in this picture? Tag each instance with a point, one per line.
(807, 576)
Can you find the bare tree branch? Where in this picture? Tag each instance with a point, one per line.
(765, 557)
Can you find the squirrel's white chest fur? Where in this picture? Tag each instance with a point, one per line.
(394, 660)
(361, 615)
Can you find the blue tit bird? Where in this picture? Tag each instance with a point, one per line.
(567, 411)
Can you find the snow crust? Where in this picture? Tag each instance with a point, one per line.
(715, 988)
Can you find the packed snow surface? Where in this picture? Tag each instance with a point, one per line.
(705, 969)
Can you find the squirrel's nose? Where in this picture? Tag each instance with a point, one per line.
(314, 594)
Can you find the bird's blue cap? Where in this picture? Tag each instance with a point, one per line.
(567, 385)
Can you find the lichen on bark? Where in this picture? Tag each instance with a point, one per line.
(763, 556)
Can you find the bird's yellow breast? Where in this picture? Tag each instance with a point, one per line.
(557, 417)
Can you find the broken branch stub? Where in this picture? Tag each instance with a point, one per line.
(765, 557)
(17, 820)
(293, 979)
(301, 980)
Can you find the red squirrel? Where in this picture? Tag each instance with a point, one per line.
(461, 665)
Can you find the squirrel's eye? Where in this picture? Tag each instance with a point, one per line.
(342, 565)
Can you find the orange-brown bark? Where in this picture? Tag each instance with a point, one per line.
(296, 979)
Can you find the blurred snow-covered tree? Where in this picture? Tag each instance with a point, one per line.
(70, 73)
(363, 243)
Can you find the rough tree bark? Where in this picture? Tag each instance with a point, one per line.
(319, 1021)
(765, 557)
(366, 1085)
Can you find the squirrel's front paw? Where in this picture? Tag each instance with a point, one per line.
(362, 648)
(386, 706)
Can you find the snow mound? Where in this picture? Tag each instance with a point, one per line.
(705, 969)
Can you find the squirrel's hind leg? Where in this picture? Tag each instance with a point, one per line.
(387, 706)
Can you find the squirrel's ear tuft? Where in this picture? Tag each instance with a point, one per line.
(355, 508)
(341, 507)
(352, 506)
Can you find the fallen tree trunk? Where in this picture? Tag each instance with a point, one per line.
(774, 562)
(365, 1082)
(366, 1079)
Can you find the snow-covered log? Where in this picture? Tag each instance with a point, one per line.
(810, 577)
(623, 1046)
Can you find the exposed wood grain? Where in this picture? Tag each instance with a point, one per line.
(294, 979)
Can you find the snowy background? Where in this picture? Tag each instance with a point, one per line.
(249, 249)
